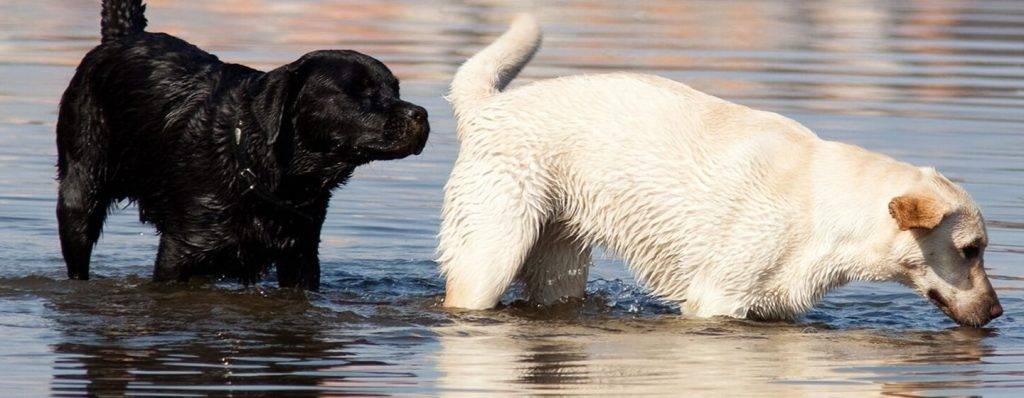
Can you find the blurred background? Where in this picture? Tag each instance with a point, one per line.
(938, 83)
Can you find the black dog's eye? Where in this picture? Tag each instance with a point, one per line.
(971, 252)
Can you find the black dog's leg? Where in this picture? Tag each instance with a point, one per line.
(298, 264)
(302, 272)
(81, 209)
(299, 268)
(172, 260)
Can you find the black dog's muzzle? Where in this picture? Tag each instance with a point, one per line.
(413, 129)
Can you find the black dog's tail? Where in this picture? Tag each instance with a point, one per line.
(122, 18)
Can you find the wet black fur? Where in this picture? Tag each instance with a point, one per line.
(151, 118)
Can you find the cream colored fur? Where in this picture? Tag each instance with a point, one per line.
(725, 209)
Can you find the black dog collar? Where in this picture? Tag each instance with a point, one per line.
(249, 176)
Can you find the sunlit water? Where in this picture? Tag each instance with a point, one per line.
(931, 83)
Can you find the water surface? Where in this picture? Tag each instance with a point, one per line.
(933, 83)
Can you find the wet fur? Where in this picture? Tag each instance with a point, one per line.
(726, 210)
(151, 118)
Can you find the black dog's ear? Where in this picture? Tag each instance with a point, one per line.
(274, 101)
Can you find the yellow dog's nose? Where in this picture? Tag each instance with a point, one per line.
(995, 311)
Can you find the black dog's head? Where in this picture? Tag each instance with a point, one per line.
(341, 104)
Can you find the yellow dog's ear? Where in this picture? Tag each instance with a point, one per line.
(915, 211)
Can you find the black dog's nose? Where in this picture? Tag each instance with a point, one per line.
(416, 113)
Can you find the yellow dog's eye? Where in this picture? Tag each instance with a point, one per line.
(971, 252)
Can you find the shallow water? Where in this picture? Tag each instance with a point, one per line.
(932, 83)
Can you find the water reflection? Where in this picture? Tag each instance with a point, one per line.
(133, 336)
(111, 366)
(730, 358)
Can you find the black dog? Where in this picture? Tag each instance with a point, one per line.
(233, 166)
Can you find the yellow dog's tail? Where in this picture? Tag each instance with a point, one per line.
(491, 69)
